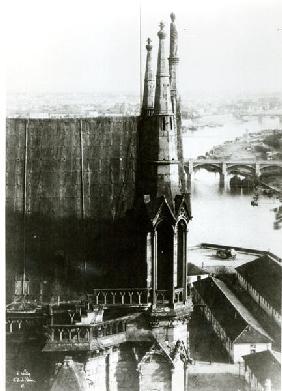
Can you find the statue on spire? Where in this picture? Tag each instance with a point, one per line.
(173, 37)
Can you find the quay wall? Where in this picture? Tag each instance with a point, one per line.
(242, 249)
(74, 178)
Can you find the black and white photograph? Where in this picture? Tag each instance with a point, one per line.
(142, 195)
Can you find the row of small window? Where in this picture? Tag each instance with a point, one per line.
(164, 123)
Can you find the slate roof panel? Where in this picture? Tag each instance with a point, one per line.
(66, 380)
(232, 315)
(194, 270)
(251, 335)
(70, 377)
(265, 365)
(264, 274)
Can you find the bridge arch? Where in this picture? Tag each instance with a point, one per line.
(207, 166)
(274, 169)
(240, 169)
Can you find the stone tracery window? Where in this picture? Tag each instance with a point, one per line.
(181, 252)
(164, 255)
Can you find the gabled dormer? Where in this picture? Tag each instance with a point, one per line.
(166, 250)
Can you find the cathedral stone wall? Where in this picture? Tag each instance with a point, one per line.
(124, 375)
(96, 370)
(155, 374)
(75, 177)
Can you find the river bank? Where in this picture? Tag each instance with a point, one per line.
(263, 145)
(251, 145)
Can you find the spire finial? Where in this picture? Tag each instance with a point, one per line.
(149, 46)
(161, 33)
(149, 83)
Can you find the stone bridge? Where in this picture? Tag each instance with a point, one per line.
(254, 168)
(260, 115)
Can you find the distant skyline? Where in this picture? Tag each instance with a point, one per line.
(226, 47)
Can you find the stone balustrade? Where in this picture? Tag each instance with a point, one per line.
(20, 325)
(133, 297)
(162, 297)
(82, 333)
(14, 326)
(178, 295)
(124, 297)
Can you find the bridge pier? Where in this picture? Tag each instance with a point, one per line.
(221, 181)
(222, 175)
(260, 117)
(257, 170)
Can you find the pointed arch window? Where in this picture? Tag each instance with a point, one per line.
(164, 255)
(181, 252)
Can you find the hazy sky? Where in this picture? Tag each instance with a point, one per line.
(225, 46)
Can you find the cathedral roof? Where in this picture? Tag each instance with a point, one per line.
(265, 365)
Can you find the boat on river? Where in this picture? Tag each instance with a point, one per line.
(226, 253)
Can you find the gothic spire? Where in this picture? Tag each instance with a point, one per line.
(173, 61)
(149, 83)
(162, 94)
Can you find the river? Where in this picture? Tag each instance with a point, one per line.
(219, 216)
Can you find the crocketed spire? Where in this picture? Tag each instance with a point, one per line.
(149, 83)
(162, 94)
